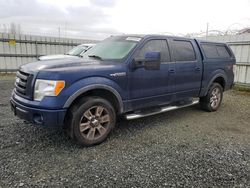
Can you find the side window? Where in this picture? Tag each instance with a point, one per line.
(210, 51)
(215, 51)
(222, 51)
(183, 51)
(155, 46)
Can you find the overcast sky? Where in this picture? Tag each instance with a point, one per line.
(98, 19)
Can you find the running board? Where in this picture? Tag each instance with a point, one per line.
(161, 110)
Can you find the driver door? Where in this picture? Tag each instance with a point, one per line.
(149, 88)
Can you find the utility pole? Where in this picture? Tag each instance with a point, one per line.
(207, 30)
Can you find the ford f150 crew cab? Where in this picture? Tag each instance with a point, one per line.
(129, 75)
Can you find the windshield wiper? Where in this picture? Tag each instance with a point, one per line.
(95, 56)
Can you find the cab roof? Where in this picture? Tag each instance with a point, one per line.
(151, 36)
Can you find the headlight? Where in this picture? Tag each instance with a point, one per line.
(47, 88)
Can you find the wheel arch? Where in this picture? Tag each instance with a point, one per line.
(218, 78)
(100, 90)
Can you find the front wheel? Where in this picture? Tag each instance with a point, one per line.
(92, 120)
(211, 102)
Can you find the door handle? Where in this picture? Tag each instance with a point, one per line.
(197, 69)
(171, 71)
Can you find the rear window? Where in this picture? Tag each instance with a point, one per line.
(183, 51)
(215, 51)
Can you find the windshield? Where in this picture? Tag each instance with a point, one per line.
(77, 50)
(113, 48)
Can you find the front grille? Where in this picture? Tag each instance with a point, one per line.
(23, 83)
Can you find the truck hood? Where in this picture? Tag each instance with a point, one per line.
(66, 64)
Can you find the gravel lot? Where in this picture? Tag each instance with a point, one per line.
(187, 147)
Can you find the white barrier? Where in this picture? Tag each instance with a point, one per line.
(16, 50)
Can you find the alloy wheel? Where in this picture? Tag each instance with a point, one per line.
(215, 97)
(94, 122)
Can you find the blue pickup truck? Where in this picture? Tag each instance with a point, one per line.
(128, 75)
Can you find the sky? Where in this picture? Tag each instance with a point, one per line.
(98, 19)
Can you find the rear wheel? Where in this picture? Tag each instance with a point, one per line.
(211, 102)
(91, 120)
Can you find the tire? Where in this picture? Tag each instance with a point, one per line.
(211, 102)
(91, 120)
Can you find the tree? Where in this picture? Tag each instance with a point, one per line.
(14, 28)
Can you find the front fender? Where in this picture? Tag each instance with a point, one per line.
(91, 83)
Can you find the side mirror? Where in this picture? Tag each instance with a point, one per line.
(151, 61)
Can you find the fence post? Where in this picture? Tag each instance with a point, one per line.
(36, 50)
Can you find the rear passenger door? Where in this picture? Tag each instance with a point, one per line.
(188, 67)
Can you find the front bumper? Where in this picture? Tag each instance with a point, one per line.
(50, 118)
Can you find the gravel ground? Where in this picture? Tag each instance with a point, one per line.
(182, 148)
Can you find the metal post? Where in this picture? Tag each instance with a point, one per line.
(59, 32)
(36, 50)
(207, 30)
